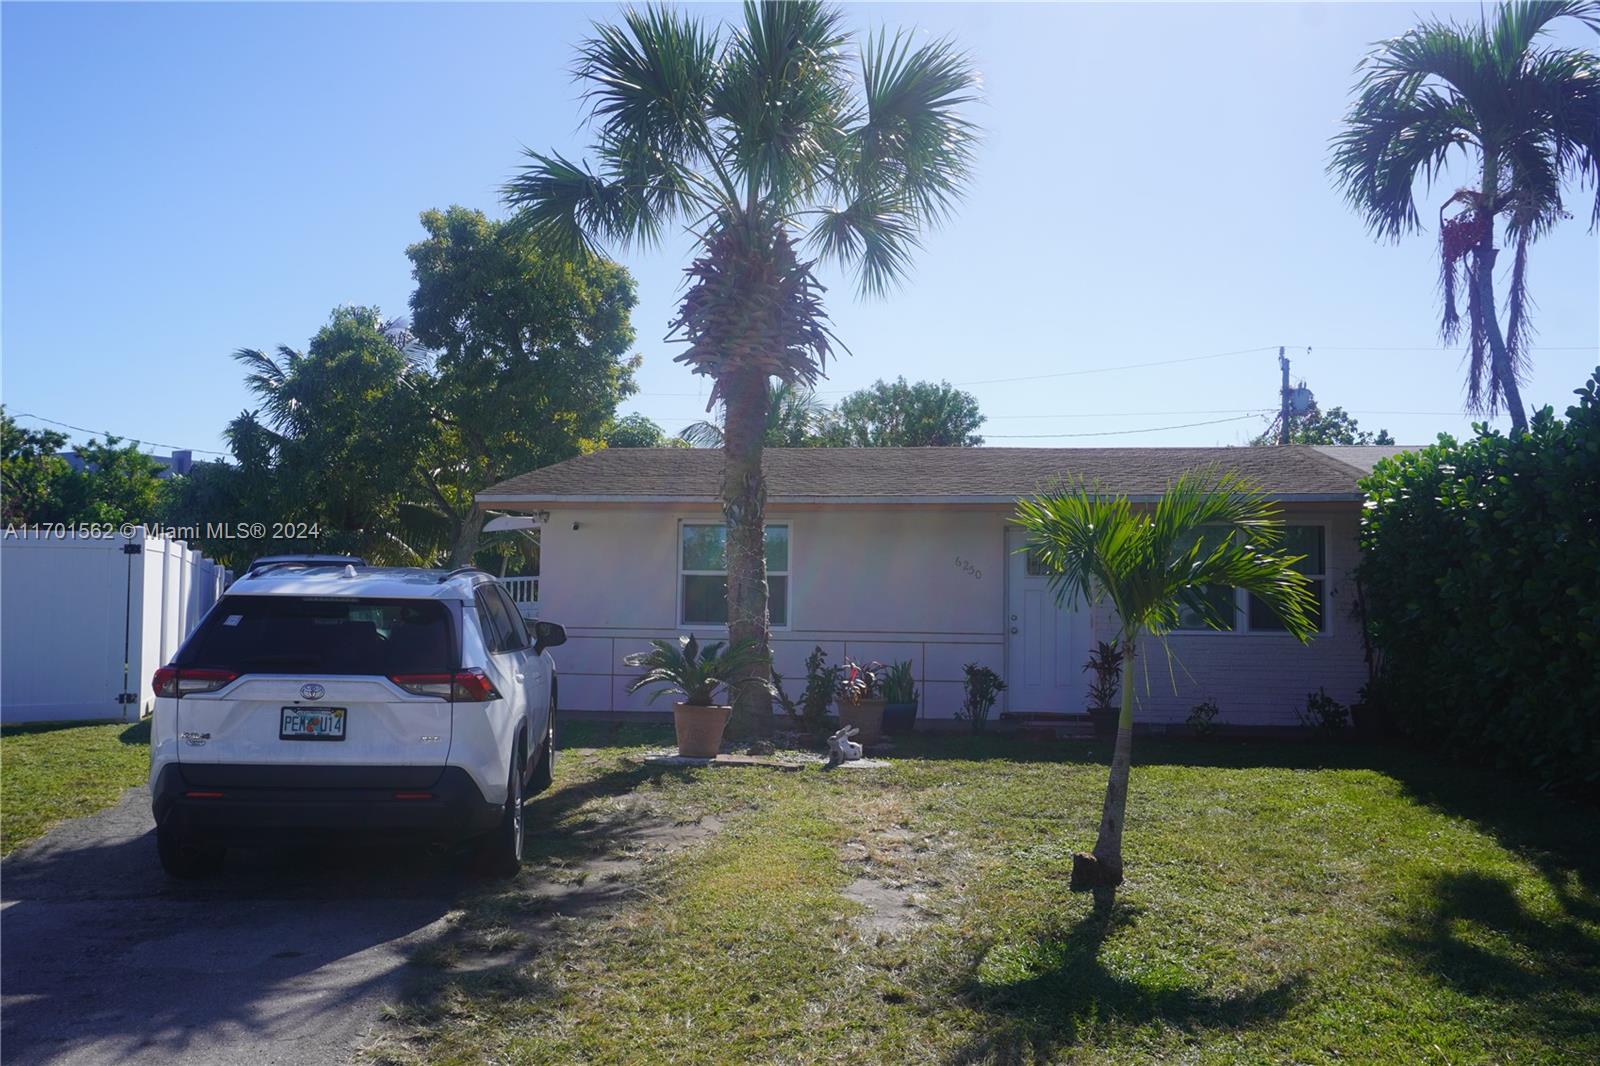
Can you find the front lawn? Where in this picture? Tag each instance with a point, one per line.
(1284, 904)
(53, 771)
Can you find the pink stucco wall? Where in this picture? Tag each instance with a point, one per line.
(883, 583)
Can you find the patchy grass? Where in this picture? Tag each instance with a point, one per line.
(1284, 904)
(58, 770)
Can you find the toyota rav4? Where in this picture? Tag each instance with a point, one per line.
(322, 696)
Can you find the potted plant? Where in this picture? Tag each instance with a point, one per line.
(859, 697)
(900, 698)
(696, 673)
(1105, 666)
(810, 713)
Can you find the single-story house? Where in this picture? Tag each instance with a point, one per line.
(910, 553)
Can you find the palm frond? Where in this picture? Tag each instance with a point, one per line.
(913, 143)
(649, 82)
(783, 96)
(1521, 21)
(1210, 528)
(873, 236)
(571, 209)
(701, 434)
(1389, 140)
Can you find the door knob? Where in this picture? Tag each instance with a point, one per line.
(1013, 630)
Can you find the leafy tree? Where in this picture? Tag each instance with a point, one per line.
(1335, 427)
(795, 418)
(530, 359)
(345, 428)
(118, 484)
(1528, 117)
(32, 472)
(637, 431)
(1211, 528)
(755, 137)
(907, 416)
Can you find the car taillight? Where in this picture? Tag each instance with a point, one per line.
(463, 686)
(175, 681)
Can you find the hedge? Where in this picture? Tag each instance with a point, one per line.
(1481, 576)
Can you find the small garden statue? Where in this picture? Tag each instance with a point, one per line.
(841, 748)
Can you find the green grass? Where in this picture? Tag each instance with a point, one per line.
(53, 771)
(1283, 904)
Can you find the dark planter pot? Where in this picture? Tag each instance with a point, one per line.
(1368, 722)
(899, 717)
(1105, 722)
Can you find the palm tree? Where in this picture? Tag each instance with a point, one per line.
(759, 143)
(1531, 119)
(1212, 530)
(794, 415)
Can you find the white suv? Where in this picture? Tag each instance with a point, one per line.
(321, 695)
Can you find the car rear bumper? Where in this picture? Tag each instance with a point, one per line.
(241, 804)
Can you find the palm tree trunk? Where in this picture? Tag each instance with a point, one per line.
(1102, 870)
(744, 505)
(1483, 279)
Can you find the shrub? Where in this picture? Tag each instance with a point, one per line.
(1481, 575)
(810, 715)
(1325, 714)
(983, 687)
(1105, 664)
(1203, 718)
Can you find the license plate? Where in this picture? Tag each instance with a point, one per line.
(312, 723)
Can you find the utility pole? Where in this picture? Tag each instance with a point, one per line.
(1283, 399)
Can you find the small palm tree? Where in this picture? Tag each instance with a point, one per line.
(1211, 529)
(794, 416)
(686, 667)
(1530, 117)
(758, 141)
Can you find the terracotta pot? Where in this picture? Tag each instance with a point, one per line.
(866, 716)
(699, 729)
(899, 717)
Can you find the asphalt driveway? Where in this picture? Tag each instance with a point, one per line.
(287, 957)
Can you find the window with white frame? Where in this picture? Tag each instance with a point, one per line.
(703, 574)
(1246, 613)
(1310, 542)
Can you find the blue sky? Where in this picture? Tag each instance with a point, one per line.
(180, 181)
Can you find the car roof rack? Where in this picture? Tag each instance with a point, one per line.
(458, 571)
(275, 562)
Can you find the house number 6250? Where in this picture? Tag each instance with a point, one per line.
(965, 566)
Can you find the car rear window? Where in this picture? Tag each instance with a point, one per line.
(312, 635)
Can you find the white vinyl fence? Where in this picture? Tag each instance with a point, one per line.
(85, 621)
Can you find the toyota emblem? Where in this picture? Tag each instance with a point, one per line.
(312, 691)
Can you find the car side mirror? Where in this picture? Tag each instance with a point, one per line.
(548, 635)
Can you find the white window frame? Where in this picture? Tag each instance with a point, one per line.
(677, 548)
(1241, 599)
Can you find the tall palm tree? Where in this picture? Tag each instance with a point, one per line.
(794, 414)
(1211, 530)
(1527, 118)
(758, 141)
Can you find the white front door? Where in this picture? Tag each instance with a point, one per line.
(1046, 646)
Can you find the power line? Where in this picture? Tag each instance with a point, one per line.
(1171, 362)
(119, 436)
(1122, 432)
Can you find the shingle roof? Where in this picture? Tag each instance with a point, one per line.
(921, 474)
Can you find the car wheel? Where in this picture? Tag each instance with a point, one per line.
(545, 770)
(183, 860)
(501, 855)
